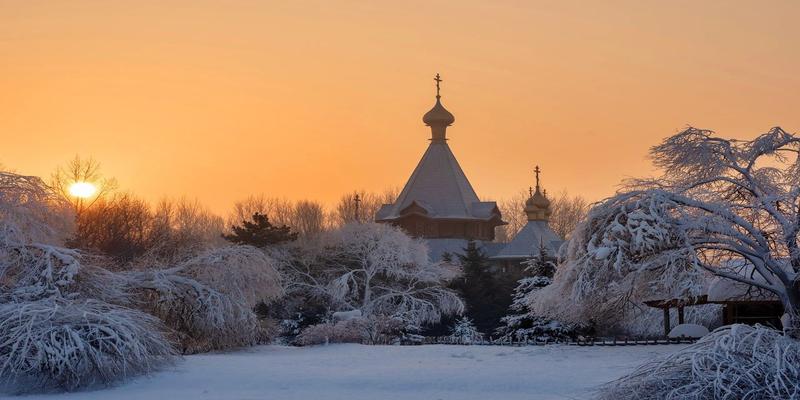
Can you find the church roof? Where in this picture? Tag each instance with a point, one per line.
(438, 188)
(526, 243)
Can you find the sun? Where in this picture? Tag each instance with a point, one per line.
(82, 190)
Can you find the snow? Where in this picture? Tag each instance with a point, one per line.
(725, 289)
(346, 315)
(688, 331)
(353, 372)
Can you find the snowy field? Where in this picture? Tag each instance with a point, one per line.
(355, 372)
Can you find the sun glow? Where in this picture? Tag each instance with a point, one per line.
(82, 189)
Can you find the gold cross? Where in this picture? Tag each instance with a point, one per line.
(438, 80)
(536, 171)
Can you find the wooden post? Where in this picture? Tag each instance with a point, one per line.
(680, 315)
(666, 321)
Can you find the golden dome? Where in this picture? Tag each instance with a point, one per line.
(539, 200)
(537, 207)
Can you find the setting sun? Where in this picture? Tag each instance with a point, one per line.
(82, 189)
(377, 200)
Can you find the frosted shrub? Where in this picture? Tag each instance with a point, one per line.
(374, 268)
(203, 318)
(732, 363)
(37, 271)
(241, 272)
(57, 344)
(30, 211)
(350, 331)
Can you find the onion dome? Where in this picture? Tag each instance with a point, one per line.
(537, 207)
(438, 115)
(438, 118)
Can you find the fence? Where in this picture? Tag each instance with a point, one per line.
(614, 341)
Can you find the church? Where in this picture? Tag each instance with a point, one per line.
(439, 205)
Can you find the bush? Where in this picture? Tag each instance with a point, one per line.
(735, 362)
(66, 345)
(350, 331)
(202, 318)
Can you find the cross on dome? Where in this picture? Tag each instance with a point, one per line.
(438, 118)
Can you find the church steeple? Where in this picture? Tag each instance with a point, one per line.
(537, 207)
(438, 118)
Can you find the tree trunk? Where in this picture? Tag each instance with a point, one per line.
(791, 309)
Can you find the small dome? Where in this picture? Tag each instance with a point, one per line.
(438, 115)
(537, 207)
(539, 200)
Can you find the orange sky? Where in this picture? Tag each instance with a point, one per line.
(218, 100)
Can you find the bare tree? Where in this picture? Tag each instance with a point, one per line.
(182, 228)
(367, 206)
(279, 211)
(513, 211)
(308, 218)
(119, 227)
(80, 170)
(567, 212)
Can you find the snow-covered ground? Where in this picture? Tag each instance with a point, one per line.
(354, 372)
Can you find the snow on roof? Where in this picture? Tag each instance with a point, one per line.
(439, 186)
(724, 289)
(526, 243)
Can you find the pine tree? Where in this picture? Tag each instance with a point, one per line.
(520, 323)
(485, 297)
(259, 232)
(464, 332)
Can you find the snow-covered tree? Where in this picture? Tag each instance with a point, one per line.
(464, 331)
(523, 323)
(733, 362)
(722, 207)
(31, 212)
(58, 326)
(62, 344)
(374, 268)
(205, 302)
(242, 272)
(623, 254)
(209, 300)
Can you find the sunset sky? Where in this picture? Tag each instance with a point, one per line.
(218, 100)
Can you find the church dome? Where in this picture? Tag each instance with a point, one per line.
(438, 115)
(537, 206)
(538, 200)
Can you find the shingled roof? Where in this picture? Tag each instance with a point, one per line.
(530, 238)
(438, 188)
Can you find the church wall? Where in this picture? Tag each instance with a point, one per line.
(419, 226)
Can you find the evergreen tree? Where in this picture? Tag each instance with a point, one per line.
(485, 296)
(464, 332)
(447, 257)
(520, 323)
(259, 232)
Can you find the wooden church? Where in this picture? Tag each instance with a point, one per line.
(439, 204)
